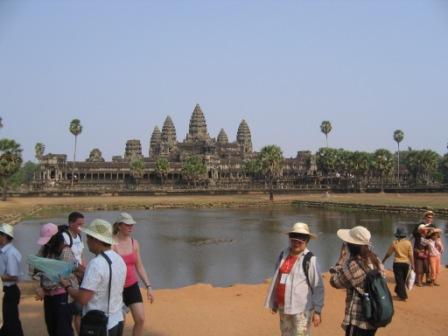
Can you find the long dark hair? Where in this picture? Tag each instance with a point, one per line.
(364, 253)
(54, 246)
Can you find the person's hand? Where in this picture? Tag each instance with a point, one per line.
(149, 295)
(316, 319)
(64, 282)
(81, 268)
(39, 294)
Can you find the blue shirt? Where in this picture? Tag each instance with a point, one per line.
(10, 259)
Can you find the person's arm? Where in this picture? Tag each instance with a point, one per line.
(7, 277)
(388, 253)
(81, 295)
(142, 273)
(317, 296)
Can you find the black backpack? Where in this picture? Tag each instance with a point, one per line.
(64, 229)
(377, 301)
(305, 266)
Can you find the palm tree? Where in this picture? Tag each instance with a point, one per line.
(398, 137)
(326, 128)
(360, 163)
(326, 159)
(75, 129)
(382, 163)
(193, 169)
(137, 167)
(271, 162)
(10, 161)
(161, 168)
(39, 150)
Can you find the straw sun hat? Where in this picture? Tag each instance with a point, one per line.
(302, 228)
(7, 229)
(358, 235)
(101, 230)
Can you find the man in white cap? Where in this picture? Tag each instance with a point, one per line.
(93, 293)
(297, 290)
(10, 259)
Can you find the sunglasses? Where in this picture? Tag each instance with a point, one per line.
(298, 240)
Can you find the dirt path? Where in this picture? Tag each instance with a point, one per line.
(202, 310)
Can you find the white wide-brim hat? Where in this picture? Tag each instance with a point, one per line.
(302, 228)
(358, 235)
(101, 230)
(125, 218)
(7, 229)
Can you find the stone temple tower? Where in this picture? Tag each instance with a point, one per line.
(222, 137)
(168, 136)
(133, 150)
(198, 126)
(244, 138)
(155, 142)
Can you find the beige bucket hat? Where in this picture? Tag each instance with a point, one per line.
(358, 235)
(7, 229)
(428, 213)
(101, 230)
(302, 228)
(125, 218)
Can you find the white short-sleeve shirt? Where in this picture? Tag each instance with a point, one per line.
(77, 245)
(96, 279)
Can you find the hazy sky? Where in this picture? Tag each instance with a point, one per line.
(121, 67)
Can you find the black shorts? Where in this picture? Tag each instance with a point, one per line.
(132, 295)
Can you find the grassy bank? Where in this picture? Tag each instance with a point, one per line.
(17, 209)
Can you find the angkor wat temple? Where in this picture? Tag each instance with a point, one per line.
(224, 161)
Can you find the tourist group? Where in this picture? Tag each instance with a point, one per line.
(297, 292)
(93, 298)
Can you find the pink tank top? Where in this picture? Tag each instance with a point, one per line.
(130, 260)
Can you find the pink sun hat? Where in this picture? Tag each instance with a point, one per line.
(46, 232)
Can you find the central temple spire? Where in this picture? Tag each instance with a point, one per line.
(198, 125)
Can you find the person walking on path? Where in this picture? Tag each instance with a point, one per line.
(421, 251)
(296, 291)
(73, 239)
(57, 311)
(129, 249)
(10, 259)
(435, 251)
(403, 260)
(93, 293)
(350, 272)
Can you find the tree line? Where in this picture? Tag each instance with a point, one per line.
(358, 167)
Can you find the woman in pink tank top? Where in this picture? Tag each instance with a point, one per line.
(129, 249)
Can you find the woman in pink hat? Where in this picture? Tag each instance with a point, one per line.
(58, 315)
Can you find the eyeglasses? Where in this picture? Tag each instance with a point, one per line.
(298, 240)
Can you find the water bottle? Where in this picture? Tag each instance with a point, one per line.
(367, 305)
